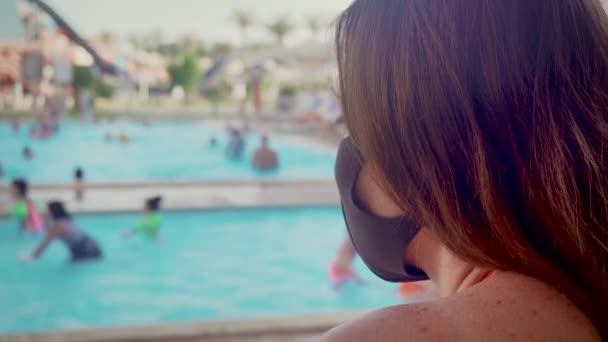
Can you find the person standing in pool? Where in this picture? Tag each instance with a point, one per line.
(236, 145)
(151, 222)
(24, 209)
(81, 245)
(340, 269)
(78, 184)
(15, 124)
(264, 158)
(27, 153)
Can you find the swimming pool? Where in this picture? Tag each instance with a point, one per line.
(164, 150)
(213, 265)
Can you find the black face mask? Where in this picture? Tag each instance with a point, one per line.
(381, 242)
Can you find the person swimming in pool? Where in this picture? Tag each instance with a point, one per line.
(82, 246)
(124, 138)
(340, 269)
(151, 222)
(24, 209)
(236, 144)
(27, 153)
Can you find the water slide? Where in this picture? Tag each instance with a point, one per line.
(211, 75)
(103, 65)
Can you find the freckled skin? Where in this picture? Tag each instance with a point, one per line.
(505, 307)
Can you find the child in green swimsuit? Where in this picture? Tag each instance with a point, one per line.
(151, 222)
(22, 204)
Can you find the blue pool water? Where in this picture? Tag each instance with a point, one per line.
(213, 265)
(166, 150)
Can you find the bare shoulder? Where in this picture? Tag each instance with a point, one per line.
(505, 307)
(408, 322)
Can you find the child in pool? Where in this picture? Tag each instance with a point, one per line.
(151, 222)
(24, 209)
(78, 184)
(124, 138)
(27, 153)
(340, 268)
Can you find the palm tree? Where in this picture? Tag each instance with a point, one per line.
(244, 19)
(135, 41)
(107, 37)
(154, 39)
(314, 24)
(280, 28)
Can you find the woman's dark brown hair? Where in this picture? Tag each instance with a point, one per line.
(487, 120)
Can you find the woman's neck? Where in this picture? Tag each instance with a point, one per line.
(449, 273)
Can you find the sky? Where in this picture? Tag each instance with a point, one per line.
(211, 20)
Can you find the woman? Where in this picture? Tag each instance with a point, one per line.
(82, 247)
(477, 159)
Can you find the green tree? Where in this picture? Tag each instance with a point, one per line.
(191, 44)
(107, 37)
(83, 77)
(103, 89)
(280, 28)
(244, 19)
(220, 48)
(185, 73)
(170, 49)
(135, 41)
(154, 39)
(314, 24)
(216, 94)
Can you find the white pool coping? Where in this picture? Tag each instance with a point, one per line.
(129, 197)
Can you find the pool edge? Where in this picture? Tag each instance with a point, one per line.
(270, 329)
(188, 196)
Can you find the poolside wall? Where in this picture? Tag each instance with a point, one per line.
(128, 197)
(286, 328)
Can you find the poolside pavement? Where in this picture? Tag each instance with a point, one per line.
(101, 198)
